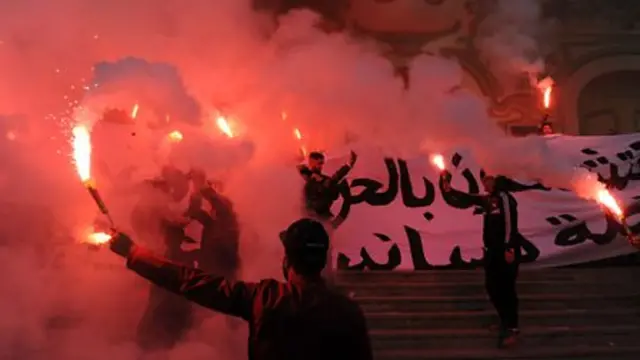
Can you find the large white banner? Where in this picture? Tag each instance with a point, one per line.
(398, 218)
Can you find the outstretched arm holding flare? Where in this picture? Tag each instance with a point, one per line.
(268, 304)
(233, 298)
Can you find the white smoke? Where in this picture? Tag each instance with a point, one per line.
(513, 40)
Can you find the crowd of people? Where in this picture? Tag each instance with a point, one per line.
(305, 317)
(301, 318)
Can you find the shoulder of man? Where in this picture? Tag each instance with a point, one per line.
(270, 290)
(344, 302)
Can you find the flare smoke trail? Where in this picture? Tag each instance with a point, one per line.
(217, 59)
(512, 40)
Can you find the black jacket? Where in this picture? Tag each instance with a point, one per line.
(301, 320)
(320, 194)
(220, 239)
(500, 225)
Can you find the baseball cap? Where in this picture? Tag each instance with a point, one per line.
(304, 236)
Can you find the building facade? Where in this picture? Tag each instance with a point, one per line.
(594, 58)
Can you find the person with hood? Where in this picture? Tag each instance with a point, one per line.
(502, 252)
(300, 319)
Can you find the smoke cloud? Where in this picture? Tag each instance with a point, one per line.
(513, 41)
(187, 64)
(156, 86)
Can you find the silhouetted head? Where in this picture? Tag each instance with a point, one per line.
(489, 183)
(546, 128)
(306, 244)
(493, 184)
(316, 161)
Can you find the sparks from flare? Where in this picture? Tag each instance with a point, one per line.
(438, 161)
(224, 126)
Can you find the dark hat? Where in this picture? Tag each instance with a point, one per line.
(305, 236)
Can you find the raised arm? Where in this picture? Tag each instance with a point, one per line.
(459, 196)
(343, 171)
(211, 291)
(340, 174)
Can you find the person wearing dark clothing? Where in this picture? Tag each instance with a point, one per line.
(501, 240)
(546, 127)
(167, 318)
(220, 240)
(300, 319)
(320, 190)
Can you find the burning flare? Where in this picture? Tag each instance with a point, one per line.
(547, 97)
(438, 161)
(82, 159)
(604, 197)
(134, 111)
(298, 134)
(546, 87)
(607, 200)
(82, 152)
(223, 125)
(98, 238)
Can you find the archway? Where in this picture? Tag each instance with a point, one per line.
(610, 104)
(571, 88)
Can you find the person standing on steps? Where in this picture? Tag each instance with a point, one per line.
(298, 319)
(321, 191)
(502, 253)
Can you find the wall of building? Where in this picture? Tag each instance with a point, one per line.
(596, 63)
(595, 58)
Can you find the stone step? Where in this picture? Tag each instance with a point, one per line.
(619, 274)
(571, 351)
(404, 304)
(483, 319)
(477, 288)
(532, 338)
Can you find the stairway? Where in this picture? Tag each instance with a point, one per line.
(564, 314)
